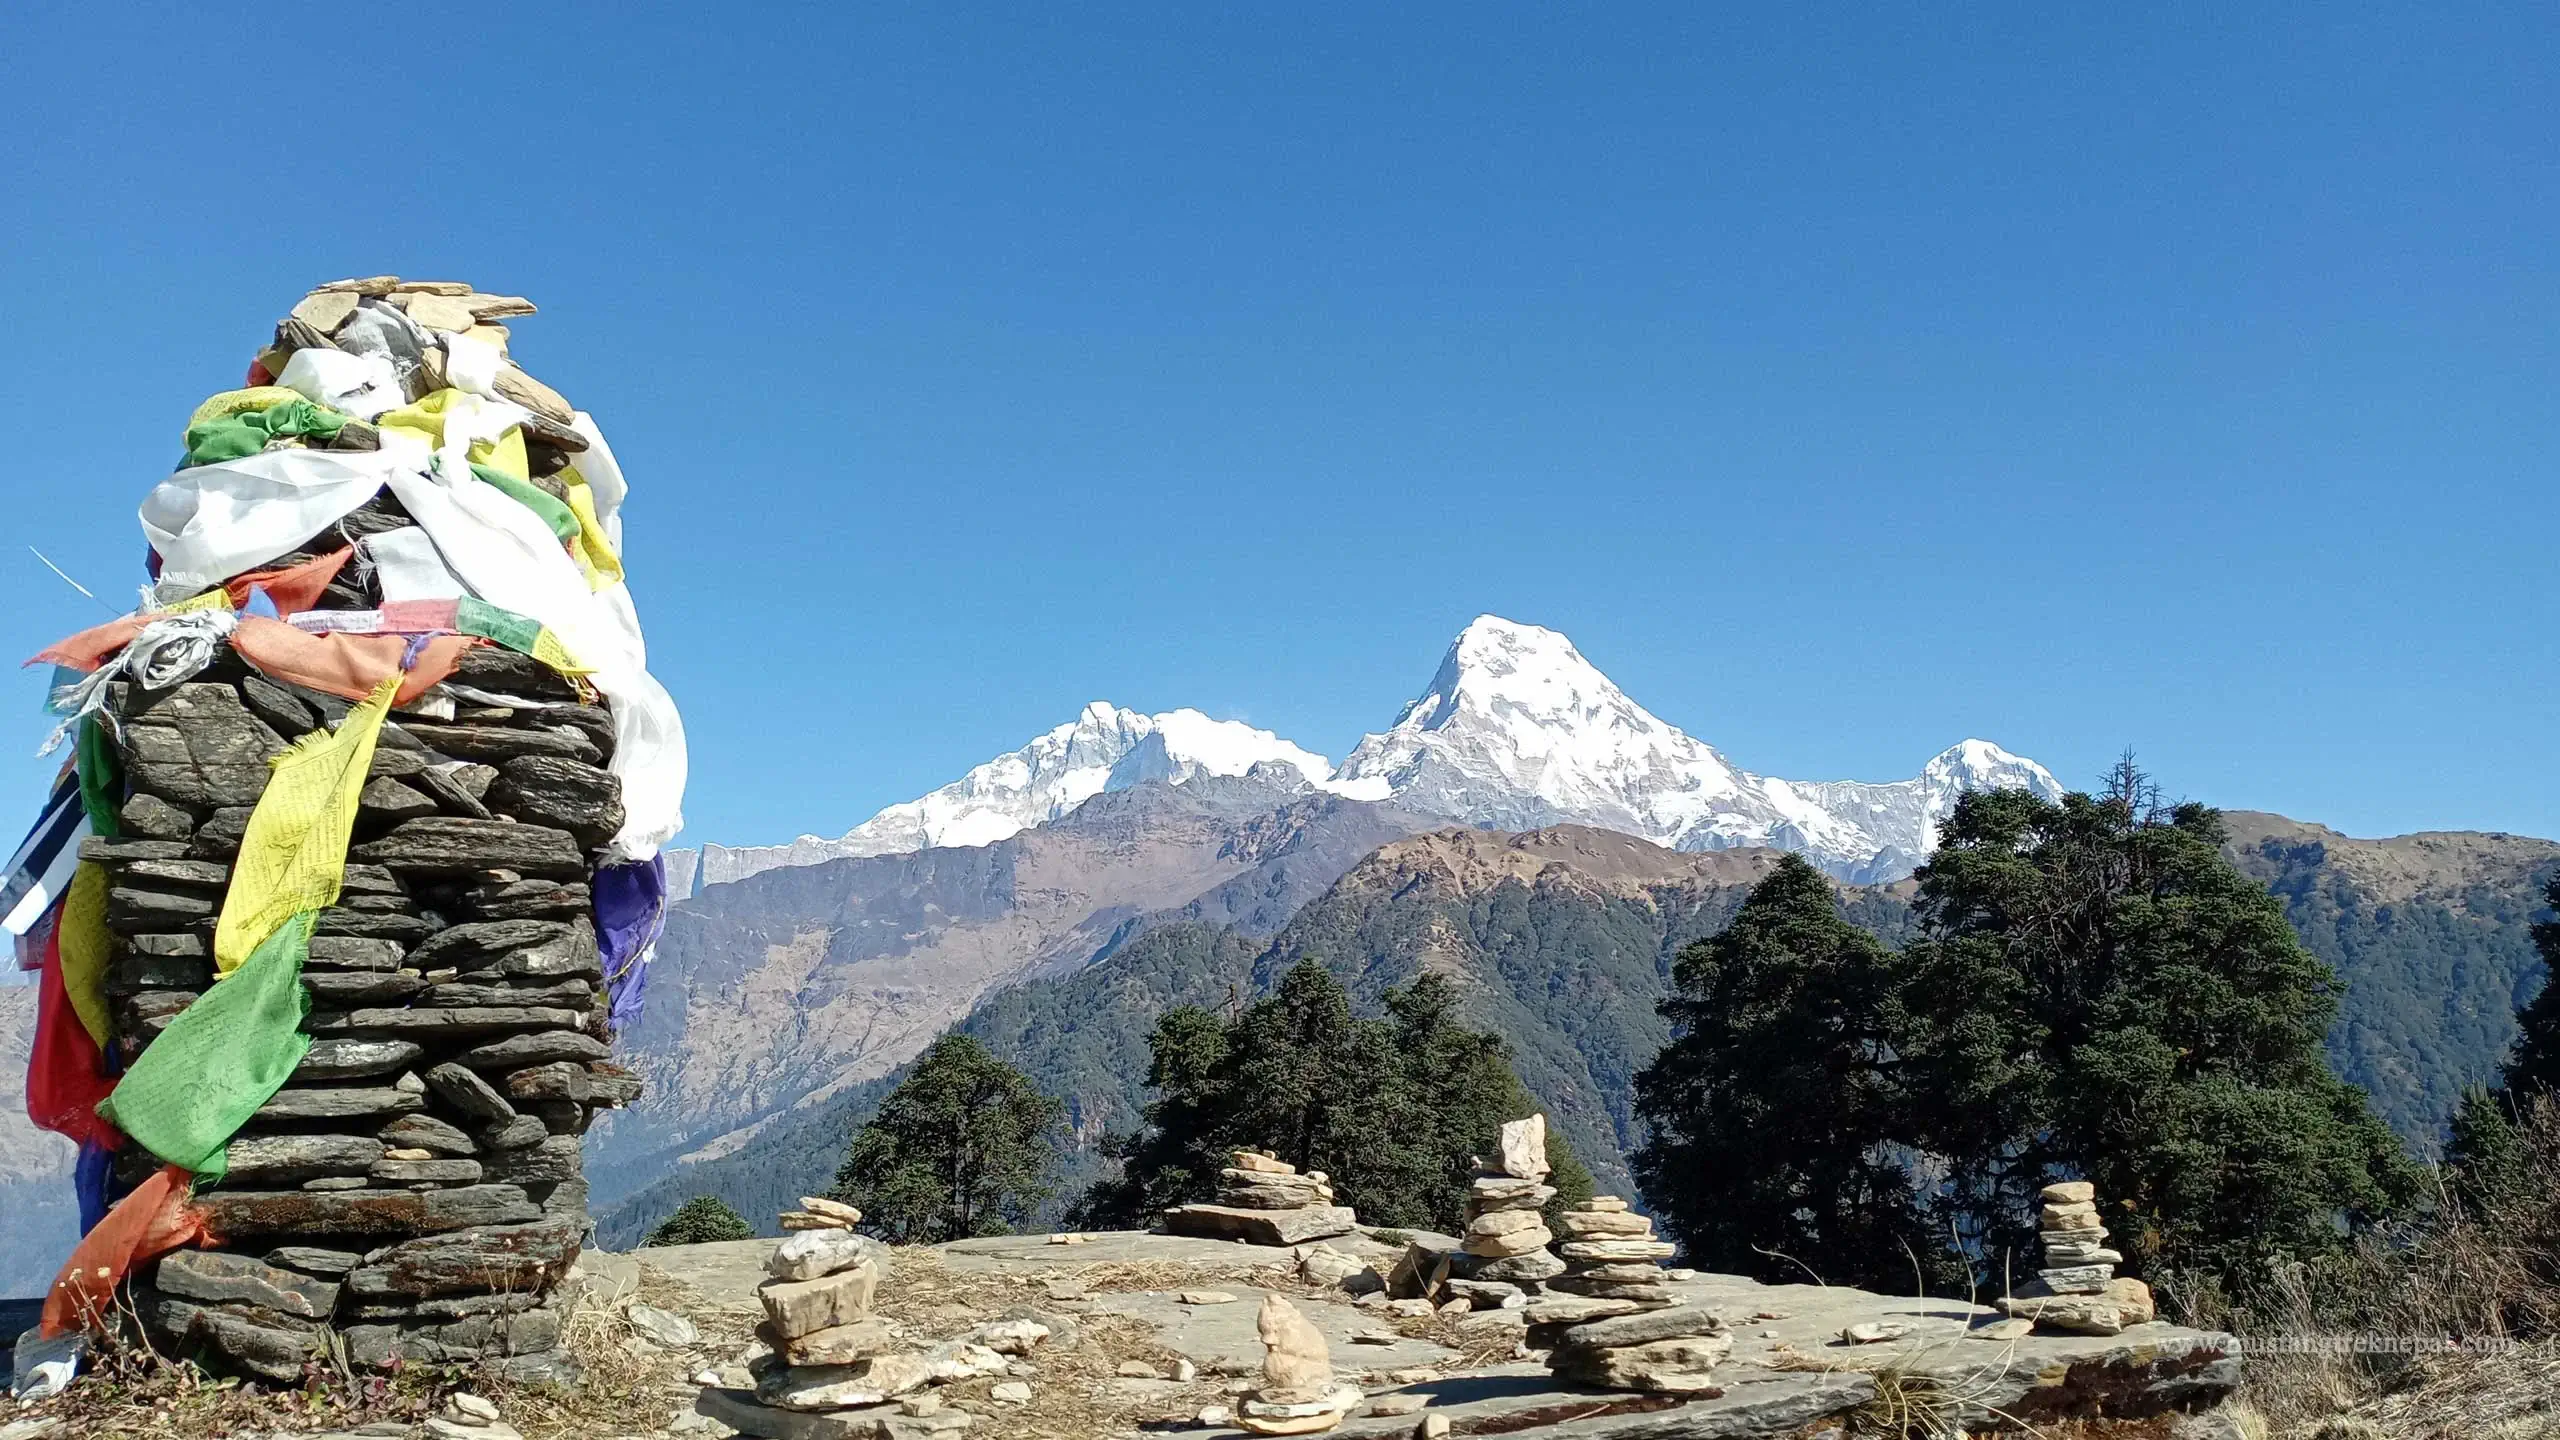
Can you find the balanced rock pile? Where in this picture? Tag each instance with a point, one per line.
(2077, 1290)
(1263, 1200)
(377, 755)
(1505, 1244)
(1298, 1395)
(837, 1370)
(1630, 1344)
(1609, 1253)
(1611, 1321)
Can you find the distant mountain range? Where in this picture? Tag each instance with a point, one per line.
(1523, 826)
(1561, 940)
(1515, 730)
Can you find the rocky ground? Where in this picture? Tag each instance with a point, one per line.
(1151, 1333)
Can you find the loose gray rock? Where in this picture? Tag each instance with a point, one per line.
(239, 1213)
(517, 1051)
(386, 799)
(217, 1276)
(662, 1326)
(353, 952)
(571, 795)
(481, 943)
(443, 845)
(463, 1089)
(527, 1258)
(314, 1261)
(148, 817)
(196, 746)
(291, 1159)
(426, 1132)
(338, 1103)
(498, 744)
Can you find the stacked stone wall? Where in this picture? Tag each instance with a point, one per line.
(415, 1189)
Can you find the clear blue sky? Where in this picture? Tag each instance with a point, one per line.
(1845, 383)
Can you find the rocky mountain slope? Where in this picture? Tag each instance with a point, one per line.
(1515, 730)
(798, 982)
(1563, 939)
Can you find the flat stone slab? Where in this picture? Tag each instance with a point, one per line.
(1261, 1227)
(1221, 1337)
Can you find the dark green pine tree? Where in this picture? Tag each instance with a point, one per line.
(961, 1148)
(700, 1221)
(2098, 994)
(1391, 1108)
(2484, 1150)
(1175, 1157)
(2533, 1067)
(1773, 1112)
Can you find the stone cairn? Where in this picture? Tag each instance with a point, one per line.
(1612, 1321)
(1503, 1255)
(2077, 1290)
(1609, 1253)
(416, 1186)
(1298, 1394)
(836, 1370)
(1263, 1200)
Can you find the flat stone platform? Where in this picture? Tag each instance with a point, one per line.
(1790, 1365)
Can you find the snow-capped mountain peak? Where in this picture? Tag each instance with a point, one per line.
(1515, 730)
(1104, 748)
(1518, 730)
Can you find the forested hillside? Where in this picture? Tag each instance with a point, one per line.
(2429, 934)
(1563, 941)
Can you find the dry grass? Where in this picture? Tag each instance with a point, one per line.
(2478, 1292)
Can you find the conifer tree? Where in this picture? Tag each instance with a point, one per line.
(1391, 1108)
(2534, 1065)
(2483, 1148)
(1773, 1111)
(700, 1221)
(2098, 994)
(961, 1148)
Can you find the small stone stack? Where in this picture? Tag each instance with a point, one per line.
(2077, 1290)
(1298, 1395)
(836, 1369)
(1263, 1200)
(1630, 1344)
(1506, 1239)
(1609, 1253)
(2076, 1260)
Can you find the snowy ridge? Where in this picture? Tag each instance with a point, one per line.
(1104, 748)
(1516, 730)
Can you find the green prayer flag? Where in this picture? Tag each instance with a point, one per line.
(101, 775)
(555, 512)
(235, 437)
(224, 1056)
(473, 616)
